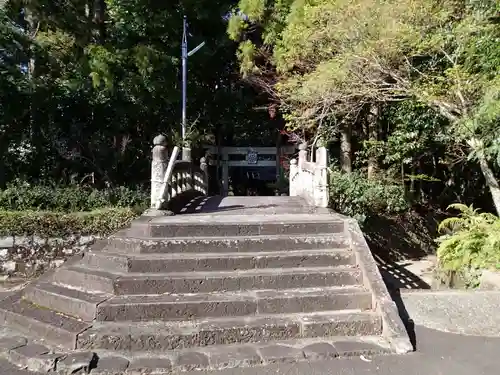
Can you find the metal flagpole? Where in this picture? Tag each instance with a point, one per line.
(186, 151)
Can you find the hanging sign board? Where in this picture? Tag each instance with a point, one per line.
(252, 157)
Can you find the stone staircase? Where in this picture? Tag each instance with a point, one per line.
(208, 291)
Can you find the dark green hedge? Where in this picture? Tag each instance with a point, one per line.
(58, 224)
(21, 196)
(352, 194)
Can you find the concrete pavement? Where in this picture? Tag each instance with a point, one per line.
(468, 313)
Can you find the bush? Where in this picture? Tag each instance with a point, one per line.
(354, 195)
(471, 241)
(21, 196)
(58, 224)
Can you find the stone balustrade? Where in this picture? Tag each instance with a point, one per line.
(309, 178)
(171, 177)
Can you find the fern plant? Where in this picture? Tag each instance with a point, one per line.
(470, 241)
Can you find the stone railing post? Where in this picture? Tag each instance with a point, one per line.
(158, 167)
(294, 178)
(322, 156)
(186, 152)
(308, 178)
(204, 169)
(321, 187)
(302, 154)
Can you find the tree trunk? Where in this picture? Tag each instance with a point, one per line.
(100, 20)
(346, 147)
(372, 122)
(36, 139)
(489, 177)
(90, 14)
(491, 181)
(3, 151)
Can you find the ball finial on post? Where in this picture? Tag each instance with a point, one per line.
(160, 140)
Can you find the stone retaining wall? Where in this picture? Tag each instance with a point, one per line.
(480, 279)
(28, 257)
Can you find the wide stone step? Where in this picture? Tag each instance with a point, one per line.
(90, 280)
(230, 357)
(237, 225)
(68, 301)
(225, 357)
(37, 358)
(42, 323)
(206, 282)
(181, 262)
(129, 242)
(196, 306)
(159, 336)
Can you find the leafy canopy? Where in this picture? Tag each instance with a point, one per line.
(332, 57)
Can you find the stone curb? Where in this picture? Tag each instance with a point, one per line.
(393, 328)
(38, 358)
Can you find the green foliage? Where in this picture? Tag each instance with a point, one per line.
(21, 196)
(416, 132)
(246, 55)
(333, 57)
(58, 224)
(471, 240)
(235, 26)
(90, 84)
(461, 80)
(346, 52)
(253, 9)
(356, 196)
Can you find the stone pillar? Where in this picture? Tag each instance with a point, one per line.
(322, 156)
(302, 179)
(186, 153)
(204, 169)
(321, 191)
(293, 178)
(158, 167)
(302, 154)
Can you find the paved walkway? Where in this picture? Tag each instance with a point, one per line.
(467, 313)
(262, 205)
